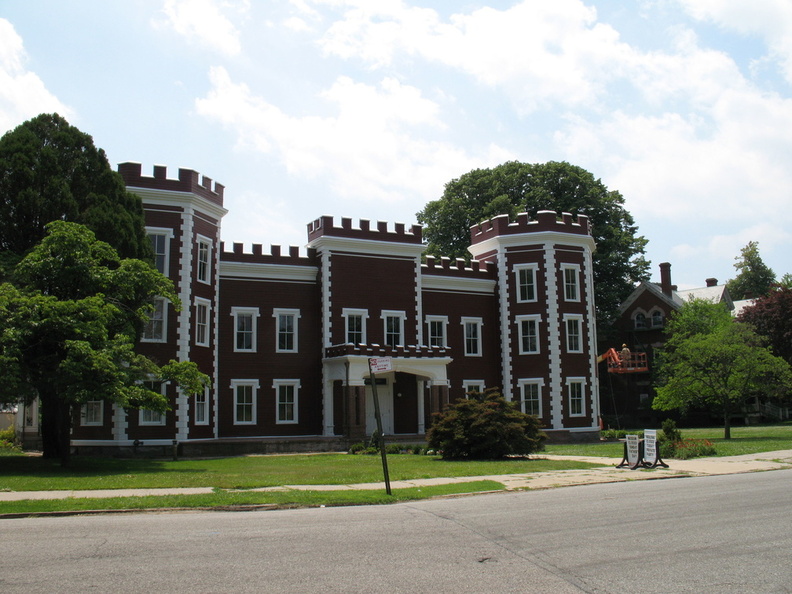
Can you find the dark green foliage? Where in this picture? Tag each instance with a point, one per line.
(68, 329)
(771, 316)
(49, 171)
(755, 278)
(484, 429)
(515, 187)
(670, 431)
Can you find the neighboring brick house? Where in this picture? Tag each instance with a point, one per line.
(627, 397)
(286, 337)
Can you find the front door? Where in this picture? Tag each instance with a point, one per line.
(385, 397)
(405, 403)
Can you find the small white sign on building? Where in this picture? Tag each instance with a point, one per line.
(380, 364)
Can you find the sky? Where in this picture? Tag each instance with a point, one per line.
(366, 109)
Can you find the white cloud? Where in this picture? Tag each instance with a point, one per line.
(542, 53)
(771, 20)
(23, 94)
(206, 22)
(377, 146)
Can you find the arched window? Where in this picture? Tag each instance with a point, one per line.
(640, 320)
(657, 319)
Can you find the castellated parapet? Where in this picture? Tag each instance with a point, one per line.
(276, 255)
(325, 227)
(458, 268)
(546, 220)
(188, 181)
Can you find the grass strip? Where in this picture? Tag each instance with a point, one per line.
(238, 499)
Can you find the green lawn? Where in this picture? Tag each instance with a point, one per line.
(745, 440)
(23, 473)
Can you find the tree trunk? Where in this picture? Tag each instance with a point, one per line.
(727, 425)
(55, 426)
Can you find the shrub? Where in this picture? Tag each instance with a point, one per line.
(618, 433)
(670, 431)
(692, 448)
(485, 427)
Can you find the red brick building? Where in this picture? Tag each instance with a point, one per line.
(286, 336)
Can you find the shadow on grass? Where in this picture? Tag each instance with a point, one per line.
(84, 466)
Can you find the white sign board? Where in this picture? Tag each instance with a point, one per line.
(650, 445)
(633, 449)
(380, 364)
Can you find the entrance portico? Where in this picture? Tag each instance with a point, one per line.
(408, 395)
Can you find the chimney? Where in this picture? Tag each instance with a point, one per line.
(712, 282)
(665, 279)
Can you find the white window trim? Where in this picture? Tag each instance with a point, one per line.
(536, 318)
(444, 321)
(205, 420)
(254, 384)
(468, 384)
(401, 316)
(84, 422)
(582, 382)
(295, 313)
(276, 384)
(479, 322)
(568, 318)
(164, 337)
(199, 241)
(141, 412)
(254, 312)
(201, 302)
(168, 233)
(576, 269)
(531, 381)
(346, 313)
(518, 268)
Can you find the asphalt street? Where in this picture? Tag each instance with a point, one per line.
(729, 533)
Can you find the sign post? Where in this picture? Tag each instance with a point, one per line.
(379, 365)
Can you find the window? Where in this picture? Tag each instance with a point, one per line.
(640, 321)
(472, 330)
(202, 407)
(574, 339)
(576, 405)
(152, 417)
(394, 327)
(204, 259)
(355, 322)
(531, 396)
(93, 413)
(286, 391)
(528, 329)
(245, 322)
(473, 386)
(436, 325)
(160, 245)
(202, 308)
(526, 282)
(155, 328)
(286, 330)
(244, 401)
(657, 319)
(571, 274)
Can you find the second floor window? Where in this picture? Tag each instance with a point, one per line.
(394, 327)
(571, 282)
(245, 321)
(154, 330)
(436, 326)
(202, 308)
(472, 336)
(529, 334)
(355, 325)
(574, 339)
(286, 330)
(526, 283)
(204, 260)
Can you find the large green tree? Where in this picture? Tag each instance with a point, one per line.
(515, 187)
(50, 170)
(714, 361)
(771, 316)
(68, 326)
(754, 278)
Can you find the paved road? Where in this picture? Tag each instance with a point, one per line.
(707, 534)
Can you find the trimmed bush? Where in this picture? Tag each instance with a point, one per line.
(485, 427)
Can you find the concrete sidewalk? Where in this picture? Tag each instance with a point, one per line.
(777, 460)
